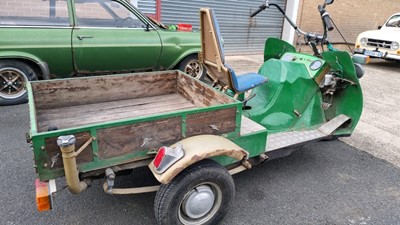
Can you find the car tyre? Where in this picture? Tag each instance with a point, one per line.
(201, 194)
(14, 75)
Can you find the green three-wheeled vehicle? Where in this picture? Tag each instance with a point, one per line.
(192, 135)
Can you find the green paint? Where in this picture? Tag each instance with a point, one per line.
(291, 100)
(254, 143)
(183, 125)
(290, 89)
(95, 145)
(275, 48)
(111, 50)
(349, 100)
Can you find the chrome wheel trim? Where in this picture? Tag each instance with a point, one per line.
(200, 204)
(194, 69)
(12, 83)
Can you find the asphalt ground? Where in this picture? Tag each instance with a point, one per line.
(321, 183)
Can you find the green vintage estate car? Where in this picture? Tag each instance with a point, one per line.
(44, 39)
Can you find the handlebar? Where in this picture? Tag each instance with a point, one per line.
(327, 21)
(324, 16)
(260, 8)
(312, 36)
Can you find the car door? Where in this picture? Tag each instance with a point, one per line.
(108, 37)
(38, 31)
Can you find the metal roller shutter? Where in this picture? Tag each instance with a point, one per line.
(147, 6)
(240, 33)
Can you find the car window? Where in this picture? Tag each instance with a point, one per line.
(394, 21)
(105, 13)
(34, 13)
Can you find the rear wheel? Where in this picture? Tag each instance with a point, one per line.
(201, 194)
(14, 76)
(192, 66)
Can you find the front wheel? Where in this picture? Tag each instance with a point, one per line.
(201, 194)
(14, 76)
(192, 66)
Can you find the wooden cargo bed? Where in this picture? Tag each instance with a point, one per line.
(125, 115)
(75, 116)
(72, 103)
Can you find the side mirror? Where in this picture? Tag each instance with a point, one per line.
(147, 27)
(379, 27)
(328, 2)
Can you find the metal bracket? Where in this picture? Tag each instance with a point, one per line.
(108, 186)
(110, 180)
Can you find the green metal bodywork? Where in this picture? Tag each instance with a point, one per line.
(290, 89)
(110, 50)
(292, 100)
(349, 100)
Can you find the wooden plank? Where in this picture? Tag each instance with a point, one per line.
(199, 93)
(87, 90)
(213, 122)
(52, 150)
(93, 110)
(68, 117)
(122, 140)
(73, 111)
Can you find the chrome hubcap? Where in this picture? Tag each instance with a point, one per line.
(194, 69)
(200, 204)
(12, 83)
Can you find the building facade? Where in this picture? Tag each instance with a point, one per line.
(351, 17)
(244, 35)
(241, 34)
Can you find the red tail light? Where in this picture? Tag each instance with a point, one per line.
(160, 155)
(166, 157)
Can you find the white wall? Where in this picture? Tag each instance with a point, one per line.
(292, 8)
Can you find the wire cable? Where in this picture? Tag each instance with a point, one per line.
(347, 43)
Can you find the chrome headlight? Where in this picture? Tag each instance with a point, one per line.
(363, 42)
(394, 46)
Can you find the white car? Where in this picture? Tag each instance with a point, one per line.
(382, 43)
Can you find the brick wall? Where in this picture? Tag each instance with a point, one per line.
(352, 16)
(31, 8)
(41, 8)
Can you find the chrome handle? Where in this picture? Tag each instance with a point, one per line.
(81, 37)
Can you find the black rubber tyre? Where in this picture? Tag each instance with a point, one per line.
(201, 194)
(14, 76)
(193, 67)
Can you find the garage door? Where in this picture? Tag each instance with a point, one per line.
(240, 33)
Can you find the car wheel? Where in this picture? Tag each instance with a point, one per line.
(191, 65)
(14, 76)
(201, 194)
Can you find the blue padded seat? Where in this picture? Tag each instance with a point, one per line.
(246, 81)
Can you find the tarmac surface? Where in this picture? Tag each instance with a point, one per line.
(322, 183)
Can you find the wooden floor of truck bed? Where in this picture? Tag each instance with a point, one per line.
(75, 116)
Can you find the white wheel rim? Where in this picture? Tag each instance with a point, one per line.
(200, 204)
